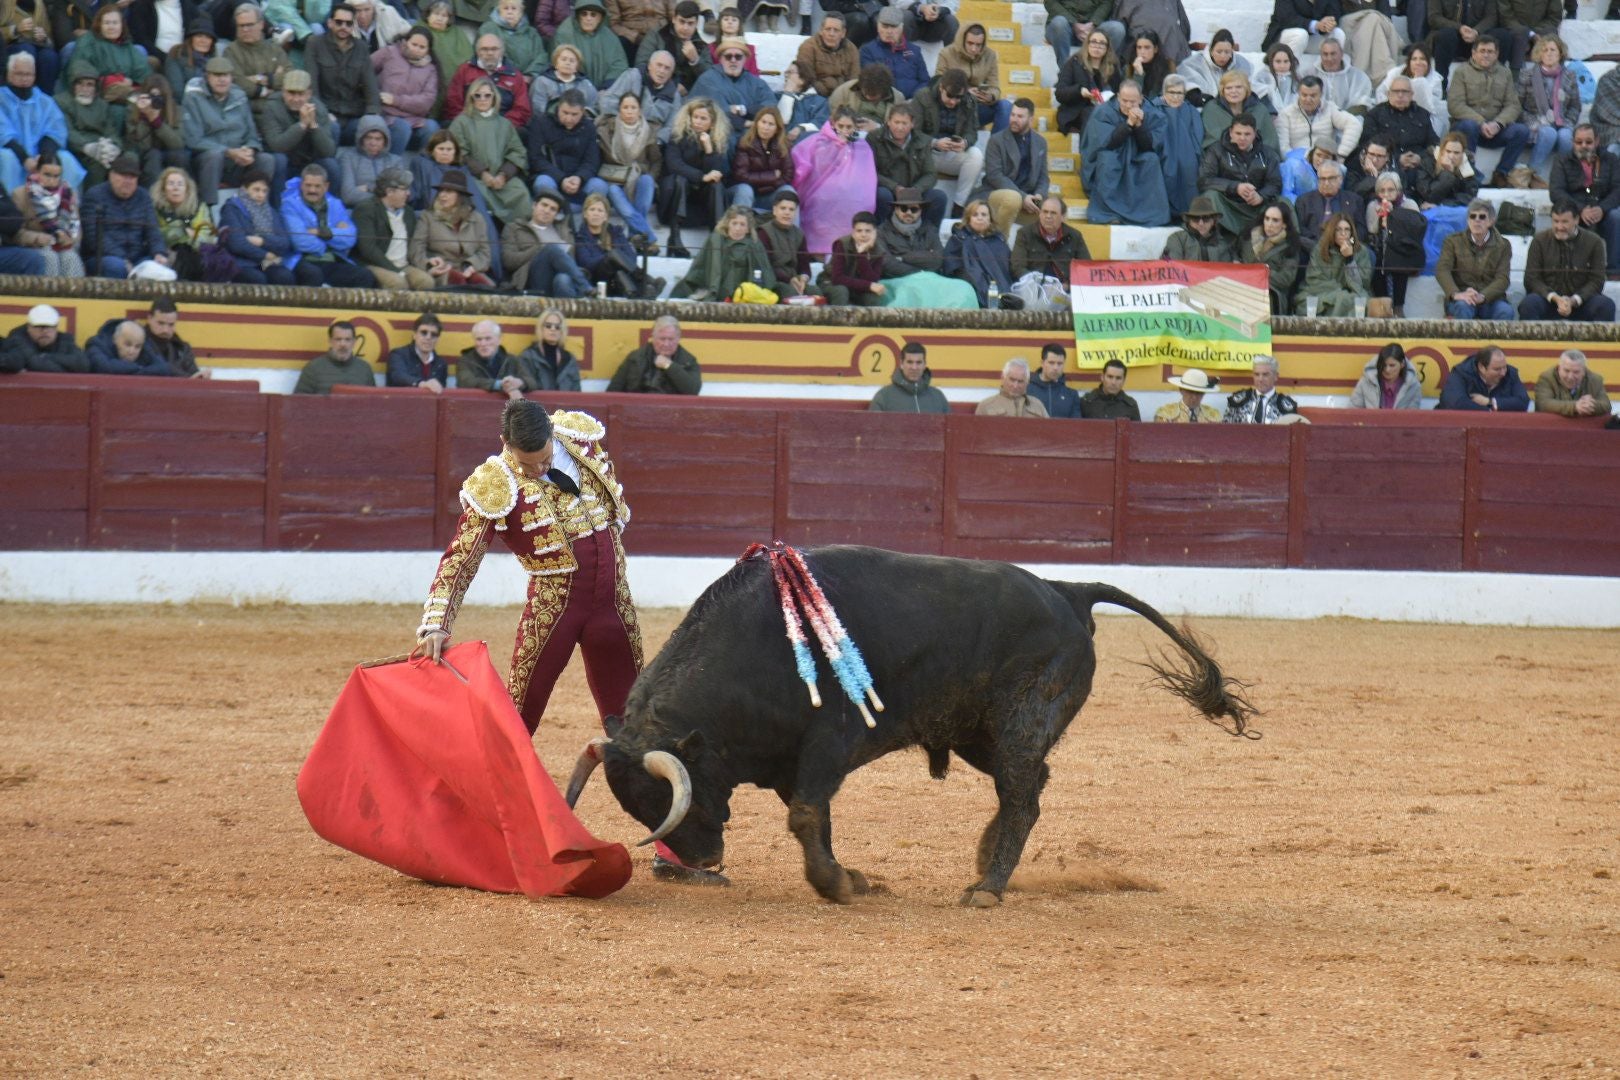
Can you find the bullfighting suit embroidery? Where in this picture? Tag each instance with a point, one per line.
(569, 545)
(1247, 407)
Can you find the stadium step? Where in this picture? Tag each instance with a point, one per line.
(984, 11)
(1011, 54)
(1067, 185)
(1065, 164)
(1059, 143)
(1018, 80)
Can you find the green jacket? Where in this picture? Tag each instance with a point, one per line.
(722, 264)
(1464, 264)
(603, 52)
(525, 48)
(639, 375)
(323, 373)
(926, 102)
(1540, 16)
(87, 123)
(109, 59)
(1482, 95)
(902, 395)
(1573, 267)
(911, 165)
(372, 234)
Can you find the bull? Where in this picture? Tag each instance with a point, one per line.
(981, 659)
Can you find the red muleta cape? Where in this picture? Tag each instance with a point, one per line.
(439, 780)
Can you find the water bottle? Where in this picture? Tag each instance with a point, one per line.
(759, 277)
(995, 294)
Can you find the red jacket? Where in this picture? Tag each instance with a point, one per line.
(761, 170)
(857, 273)
(509, 83)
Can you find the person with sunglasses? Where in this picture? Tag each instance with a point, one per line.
(419, 362)
(547, 365)
(738, 94)
(341, 75)
(1473, 268)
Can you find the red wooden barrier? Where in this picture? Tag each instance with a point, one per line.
(45, 483)
(861, 478)
(1549, 500)
(57, 380)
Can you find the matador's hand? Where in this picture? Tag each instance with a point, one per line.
(430, 645)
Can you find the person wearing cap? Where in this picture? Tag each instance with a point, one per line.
(340, 73)
(829, 58)
(383, 226)
(489, 62)
(689, 57)
(1193, 384)
(297, 128)
(1240, 174)
(1015, 178)
(258, 62)
(905, 159)
(360, 165)
(253, 232)
(601, 53)
(738, 93)
(188, 59)
(218, 127)
(971, 54)
(451, 240)
(121, 228)
(891, 49)
(1200, 238)
(408, 87)
(40, 344)
(322, 232)
(31, 123)
(1013, 399)
(95, 127)
(1120, 161)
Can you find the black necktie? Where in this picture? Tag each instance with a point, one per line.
(562, 480)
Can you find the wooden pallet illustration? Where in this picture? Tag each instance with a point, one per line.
(1230, 303)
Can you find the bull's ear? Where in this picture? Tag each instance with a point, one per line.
(612, 725)
(690, 745)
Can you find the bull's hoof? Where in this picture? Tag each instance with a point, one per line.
(979, 898)
(837, 886)
(679, 874)
(857, 882)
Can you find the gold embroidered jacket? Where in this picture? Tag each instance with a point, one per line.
(536, 519)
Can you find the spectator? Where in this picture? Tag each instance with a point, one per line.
(1278, 83)
(1388, 382)
(784, 246)
(338, 366)
(487, 365)
(253, 232)
(1083, 79)
(1109, 401)
(1237, 98)
(219, 129)
(1329, 198)
(1567, 388)
(1485, 382)
(26, 28)
(340, 73)
(150, 132)
(633, 20)
(1120, 165)
(868, 98)
(1148, 65)
(1166, 20)
(1204, 70)
(360, 165)
(1528, 21)
(932, 22)
(1407, 130)
(859, 15)
(606, 255)
(538, 254)
(408, 87)
(1564, 272)
(1069, 22)
(1447, 177)
(697, 168)
(1190, 409)
(546, 365)
(549, 15)
(661, 366)
(828, 58)
(1274, 244)
(1051, 389)
(1240, 174)
(189, 58)
(493, 152)
(1590, 178)
(1311, 118)
(1013, 398)
(730, 26)
(893, 51)
(384, 225)
(1605, 115)
(521, 43)
(630, 162)
(911, 388)
(803, 110)
(1371, 39)
(738, 93)
(419, 363)
(1299, 168)
(258, 65)
(40, 344)
(322, 234)
(95, 129)
(971, 55)
(1455, 26)
(1395, 230)
(43, 215)
(451, 45)
(117, 60)
(978, 254)
(185, 220)
(1361, 173)
(1049, 246)
(914, 261)
(1473, 268)
(161, 349)
(950, 122)
(1484, 106)
(451, 240)
(1181, 151)
(127, 354)
(1347, 87)
(1299, 24)
(490, 65)
(294, 21)
(763, 164)
(905, 159)
(375, 28)
(1340, 272)
(1262, 403)
(835, 178)
(855, 267)
(1428, 90)
(679, 38)
(566, 73)
(31, 124)
(1550, 95)
(1200, 239)
(731, 255)
(298, 128)
(120, 224)
(1015, 170)
(563, 152)
(654, 81)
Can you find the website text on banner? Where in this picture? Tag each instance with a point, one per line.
(1190, 314)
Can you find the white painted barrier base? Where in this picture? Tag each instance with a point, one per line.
(389, 577)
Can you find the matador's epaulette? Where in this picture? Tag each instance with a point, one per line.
(578, 426)
(491, 491)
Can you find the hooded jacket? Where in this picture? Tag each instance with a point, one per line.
(983, 72)
(903, 395)
(1060, 401)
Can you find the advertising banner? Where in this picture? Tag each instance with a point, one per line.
(1189, 314)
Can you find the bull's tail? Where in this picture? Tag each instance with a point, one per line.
(1194, 677)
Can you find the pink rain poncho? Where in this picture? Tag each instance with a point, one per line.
(836, 180)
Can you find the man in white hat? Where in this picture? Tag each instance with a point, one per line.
(40, 345)
(1193, 384)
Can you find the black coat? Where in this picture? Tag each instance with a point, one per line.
(1297, 15)
(1399, 245)
(1224, 167)
(405, 369)
(1569, 181)
(1408, 129)
(19, 353)
(559, 152)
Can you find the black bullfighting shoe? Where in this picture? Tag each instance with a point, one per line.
(664, 870)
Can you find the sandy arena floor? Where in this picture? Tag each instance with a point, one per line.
(1413, 874)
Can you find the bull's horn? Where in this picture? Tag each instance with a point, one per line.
(666, 766)
(589, 759)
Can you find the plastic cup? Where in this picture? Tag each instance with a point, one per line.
(1312, 303)
(1361, 307)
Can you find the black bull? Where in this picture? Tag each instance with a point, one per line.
(978, 658)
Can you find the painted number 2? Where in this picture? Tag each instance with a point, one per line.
(877, 361)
